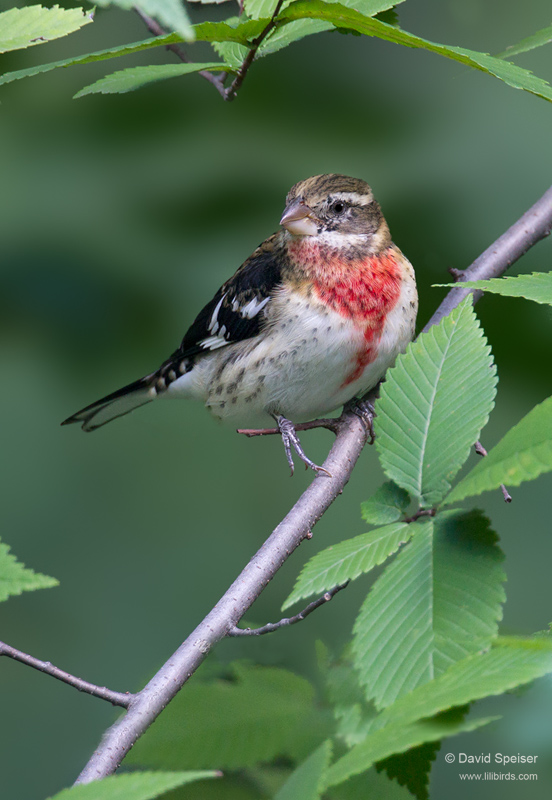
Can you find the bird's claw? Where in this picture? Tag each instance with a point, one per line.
(290, 439)
(365, 410)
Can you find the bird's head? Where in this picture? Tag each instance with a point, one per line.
(338, 210)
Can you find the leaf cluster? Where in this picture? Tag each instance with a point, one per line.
(262, 28)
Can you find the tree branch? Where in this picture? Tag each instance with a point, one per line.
(270, 627)
(115, 698)
(250, 57)
(351, 437)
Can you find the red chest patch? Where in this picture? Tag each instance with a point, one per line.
(362, 290)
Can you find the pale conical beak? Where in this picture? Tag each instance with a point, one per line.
(299, 219)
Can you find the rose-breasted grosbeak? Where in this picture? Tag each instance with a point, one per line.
(312, 319)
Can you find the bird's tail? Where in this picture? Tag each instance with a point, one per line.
(115, 405)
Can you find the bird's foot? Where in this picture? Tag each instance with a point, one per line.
(365, 410)
(290, 439)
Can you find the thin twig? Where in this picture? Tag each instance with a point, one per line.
(157, 30)
(330, 423)
(270, 627)
(115, 698)
(480, 450)
(231, 91)
(296, 526)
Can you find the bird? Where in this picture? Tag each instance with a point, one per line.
(310, 321)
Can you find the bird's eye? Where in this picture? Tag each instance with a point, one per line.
(338, 207)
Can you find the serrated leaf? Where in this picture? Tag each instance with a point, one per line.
(433, 405)
(306, 782)
(438, 602)
(15, 578)
(511, 662)
(537, 286)
(369, 8)
(412, 768)
(468, 580)
(26, 27)
(205, 32)
(132, 786)
(348, 18)
(544, 36)
(398, 737)
(231, 53)
(260, 9)
(127, 80)
(171, 14)
(292, 32)
(386, 505)
(263, 713)
(393, 634)
(522, 455)
(347, 560)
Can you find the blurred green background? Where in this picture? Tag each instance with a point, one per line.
(119, 217)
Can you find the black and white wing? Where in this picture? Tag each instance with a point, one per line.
(236, 312)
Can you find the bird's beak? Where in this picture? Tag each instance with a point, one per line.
(299, 219)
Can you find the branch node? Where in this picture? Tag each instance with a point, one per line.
(457, 274)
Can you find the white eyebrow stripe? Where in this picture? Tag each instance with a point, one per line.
(213, 325)
(353, 197)
(252, 308)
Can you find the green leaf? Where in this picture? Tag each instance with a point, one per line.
(231, 53)
(387, 504)
(25, 27)
(537, 286)
(205, 32)
(398, 737)
(511, 662)
(292, 32)
(438, 602)
(348, 18)
(307, 780)
(433, 405)
(393, 634)
(132, 786)
(369, 8)
(171, 14)
(15, 578)
(468, 582)
(349, 559)
(537, 39)
(260, 714)
(522, 455)
(412, 768)
(260, 9)
(126, 80)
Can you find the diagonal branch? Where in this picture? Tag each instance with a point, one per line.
(352, 435)
(115, 698)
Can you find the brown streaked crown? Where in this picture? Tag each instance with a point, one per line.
(342, 204)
